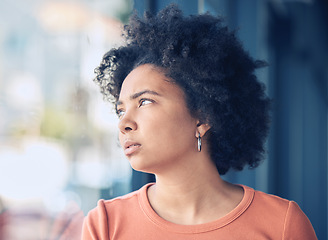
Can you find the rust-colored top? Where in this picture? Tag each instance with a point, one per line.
(258, 216)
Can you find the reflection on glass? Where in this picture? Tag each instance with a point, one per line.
(58, 139)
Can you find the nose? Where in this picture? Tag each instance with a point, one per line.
(127, 124)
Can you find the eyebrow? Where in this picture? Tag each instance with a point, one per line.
(138, 94)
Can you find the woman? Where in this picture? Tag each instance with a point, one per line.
(190, 109)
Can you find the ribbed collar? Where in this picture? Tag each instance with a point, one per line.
(199, 228)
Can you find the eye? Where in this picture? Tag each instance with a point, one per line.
(120, 113)
(144, 102)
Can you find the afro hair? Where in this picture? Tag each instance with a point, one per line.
(208, 62)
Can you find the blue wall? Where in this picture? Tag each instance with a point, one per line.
(293, 37)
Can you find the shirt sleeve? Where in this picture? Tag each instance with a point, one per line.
(95, 224)
(297, 225)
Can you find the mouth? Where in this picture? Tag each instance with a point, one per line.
(131, 147)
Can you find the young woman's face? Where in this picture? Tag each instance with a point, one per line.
(157, 132)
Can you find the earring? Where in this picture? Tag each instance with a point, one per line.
(199, 141)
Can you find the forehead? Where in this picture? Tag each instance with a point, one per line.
(147, 77)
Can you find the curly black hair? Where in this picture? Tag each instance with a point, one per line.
(208, 62)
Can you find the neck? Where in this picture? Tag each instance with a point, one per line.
(192, 180)
(189, 195)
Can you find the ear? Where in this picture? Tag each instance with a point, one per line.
(201, 129)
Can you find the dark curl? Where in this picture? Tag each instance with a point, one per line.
(210, 65)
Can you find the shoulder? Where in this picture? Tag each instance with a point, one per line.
(284, 215)
(272, 201)
(104, 206)
(98, 221)
(275, 205)
(297, 223)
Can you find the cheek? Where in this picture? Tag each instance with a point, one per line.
(171, 131)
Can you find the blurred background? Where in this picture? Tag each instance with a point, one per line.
(59, 149)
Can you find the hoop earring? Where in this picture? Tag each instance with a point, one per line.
(199, 141)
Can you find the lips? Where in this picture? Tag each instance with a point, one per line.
(131, 147)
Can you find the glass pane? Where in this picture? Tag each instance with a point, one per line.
(59, 151)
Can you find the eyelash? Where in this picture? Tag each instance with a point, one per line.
(141, 101)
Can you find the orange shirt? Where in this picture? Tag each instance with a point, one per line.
(258, 216)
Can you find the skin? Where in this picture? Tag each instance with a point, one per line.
(159, 136)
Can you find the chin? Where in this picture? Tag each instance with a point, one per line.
(140, 166)
(137, 164)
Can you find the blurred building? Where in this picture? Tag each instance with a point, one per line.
(292, 36)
